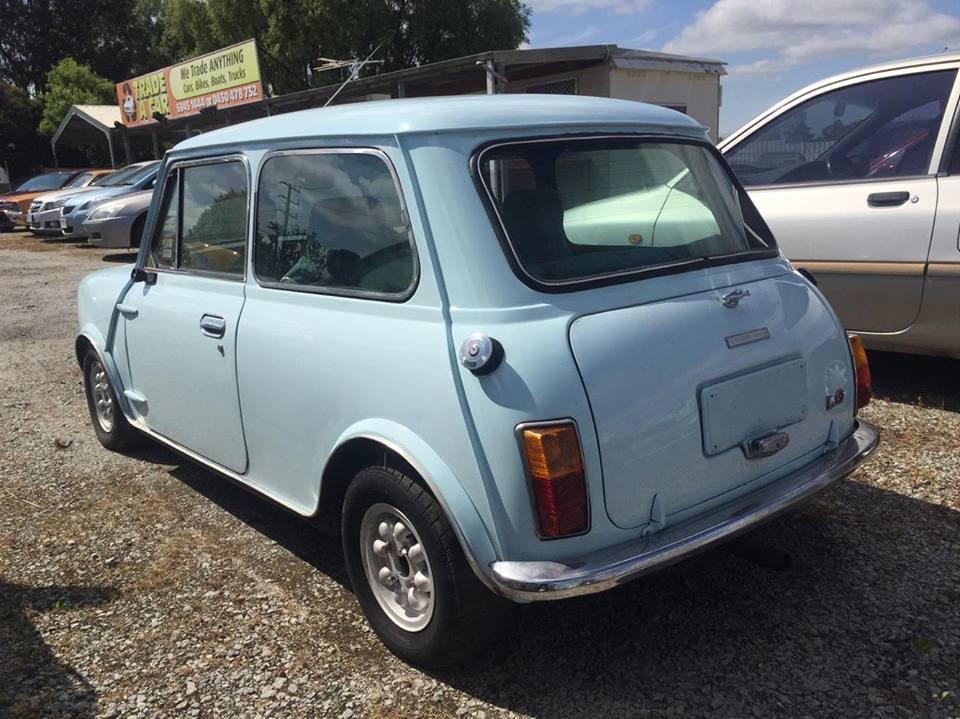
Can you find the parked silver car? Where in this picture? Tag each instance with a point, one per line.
(858, 176)
(43, 217)
(134, 178)
(119, 222)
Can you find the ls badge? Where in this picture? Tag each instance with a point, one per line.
(745, 338)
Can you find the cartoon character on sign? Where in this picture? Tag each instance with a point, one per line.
(129, 106)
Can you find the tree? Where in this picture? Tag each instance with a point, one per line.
(292, 34)
(70, 83)
(20, 147)
(114, 37)
(416, 32)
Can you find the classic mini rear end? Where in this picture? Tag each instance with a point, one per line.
(667, 380)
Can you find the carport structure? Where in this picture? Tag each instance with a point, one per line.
(88, 125)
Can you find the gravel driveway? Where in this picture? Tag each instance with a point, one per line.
(144, 586)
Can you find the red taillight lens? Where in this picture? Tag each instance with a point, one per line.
(559, 487)
(862, 367)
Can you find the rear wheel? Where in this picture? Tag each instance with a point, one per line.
(410, 575)
(109, 424)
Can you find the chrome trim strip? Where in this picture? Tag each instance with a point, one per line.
(538, 581)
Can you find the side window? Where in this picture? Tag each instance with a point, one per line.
(881, 128)
(163, 249)
(332, 221)
(214, 217)
(203, 220)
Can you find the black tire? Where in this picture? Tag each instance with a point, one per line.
(137, 231)
(466, 618)
(116, 435)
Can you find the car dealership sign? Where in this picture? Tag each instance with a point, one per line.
(223, 78)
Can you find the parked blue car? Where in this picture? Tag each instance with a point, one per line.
(133, 178)
(514, 347)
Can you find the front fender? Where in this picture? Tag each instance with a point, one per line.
(476, 541)
(97, 299)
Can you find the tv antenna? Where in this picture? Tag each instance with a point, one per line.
(355, 67)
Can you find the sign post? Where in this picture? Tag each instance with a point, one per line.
(223, 78)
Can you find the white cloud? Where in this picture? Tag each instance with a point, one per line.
(578, 7)
(575, 37)
(798, 31)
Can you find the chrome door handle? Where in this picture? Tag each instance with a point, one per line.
(213, 326)
(887, 199)
(128, 311)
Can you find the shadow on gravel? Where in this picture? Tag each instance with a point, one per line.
(916, 379)
(122, 258)
(298, 535)
(865, 621)
(33, 681)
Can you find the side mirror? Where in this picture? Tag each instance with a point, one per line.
(138, 274)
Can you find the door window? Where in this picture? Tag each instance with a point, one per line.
(333, 222)
(163, 249)
(876, 129)
(203, 220)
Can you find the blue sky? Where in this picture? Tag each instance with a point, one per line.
(772, 47)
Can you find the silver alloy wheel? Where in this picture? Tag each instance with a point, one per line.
(102, 397)
(397, 567)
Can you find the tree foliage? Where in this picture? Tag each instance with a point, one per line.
(70, 83)
(19, 114)
(108, 35)
(292, 34)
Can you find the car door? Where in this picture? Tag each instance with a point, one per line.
(181, 323)
(845, 177)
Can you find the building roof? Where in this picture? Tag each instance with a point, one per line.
(461, 114)
(87, 123)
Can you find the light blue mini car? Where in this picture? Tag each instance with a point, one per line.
(512, 348)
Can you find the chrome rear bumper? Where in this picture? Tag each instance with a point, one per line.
(536, 581)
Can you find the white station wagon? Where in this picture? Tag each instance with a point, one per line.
(858, 176)
(514, 348)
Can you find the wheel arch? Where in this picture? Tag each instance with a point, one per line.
(90, 338)
(385, 442)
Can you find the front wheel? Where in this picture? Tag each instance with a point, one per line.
(410, 575)
(109, 424)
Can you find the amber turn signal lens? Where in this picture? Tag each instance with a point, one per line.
(862, 367)
(555, 465)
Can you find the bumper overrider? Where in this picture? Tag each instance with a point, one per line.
(537, 580)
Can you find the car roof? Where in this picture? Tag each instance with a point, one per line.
(462, 113)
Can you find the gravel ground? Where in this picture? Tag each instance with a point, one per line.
(144, 586)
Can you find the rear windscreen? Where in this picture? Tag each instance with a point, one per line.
(586, 208)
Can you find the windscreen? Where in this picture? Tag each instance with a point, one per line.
(120, 177)
(138, 175)
(101, 180)
(586, 208)
(52, 181)
(80, 180)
